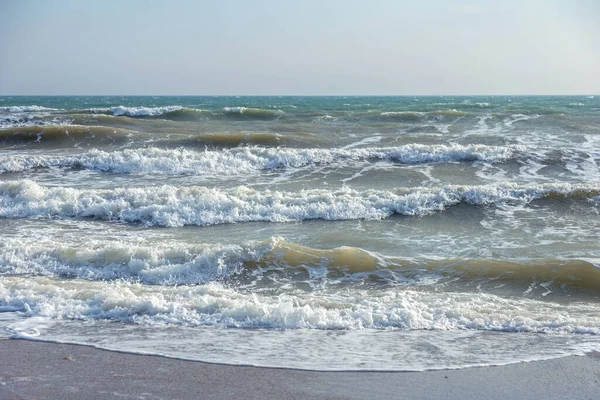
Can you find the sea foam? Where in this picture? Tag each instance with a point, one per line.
(138, 111)
(24, 109)
(251, 159)
(172, 206)
(180, 263)
(215, 304)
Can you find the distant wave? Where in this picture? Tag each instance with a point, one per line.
(177, 112)
(235, 113)
(250, 159)
(174, 112)
(11, 121)
(412, 116)
(138, 111)
(51, 134)
(56, 135)
(235, 139)
(171, 206)
(23, 109)
(248, 112)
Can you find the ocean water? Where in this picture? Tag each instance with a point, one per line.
(327, 233)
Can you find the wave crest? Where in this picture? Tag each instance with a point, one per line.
(185, 264)
(141, 111)
(58, 135)
(24, 109)
(414, 116)
(215, 304)
(177, 112)
(249, 160)
(248, 112)
(170, 206)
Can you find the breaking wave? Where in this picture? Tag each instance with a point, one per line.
(413, 116)
(243, 160)
(185, 264)
(186, 113)
(170, 206)
(138, 111)
(120, 284)
(254, 113)
(24, 109)
(215, 304)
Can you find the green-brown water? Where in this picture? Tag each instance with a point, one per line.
(390, 233)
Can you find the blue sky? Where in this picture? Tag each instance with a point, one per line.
(304, 47)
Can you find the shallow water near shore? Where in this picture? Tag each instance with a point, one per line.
(328, 233)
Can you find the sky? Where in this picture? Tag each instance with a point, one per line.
(303, 47)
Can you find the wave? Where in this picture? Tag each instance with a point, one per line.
(136, 111)
(254, 113)
(24, 109)
(235, 139)
(177, 112)
(451, 115)
(174, 113)
(11, 121)
(170, 206)
(143, 111)
(184, 264)
(248, 160)
(54, 135)
(196, 285)
(216, 304)
(413, 116)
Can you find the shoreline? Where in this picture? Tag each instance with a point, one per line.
(583, 353)
(37, 369)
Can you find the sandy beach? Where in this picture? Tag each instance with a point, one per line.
(34, 370)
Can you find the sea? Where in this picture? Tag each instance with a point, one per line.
(321, 233)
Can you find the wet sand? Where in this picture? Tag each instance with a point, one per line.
(39, 370)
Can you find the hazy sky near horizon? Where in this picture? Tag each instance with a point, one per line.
(264, 47)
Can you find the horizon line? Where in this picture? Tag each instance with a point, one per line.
(300, 95)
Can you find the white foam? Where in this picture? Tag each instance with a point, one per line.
(24, 109)
(172, 206)
(214, 304)
(247, 160)
(252, 111)
(325, 118)
(155, 264)
(508, 122)
(362, 350)
(238, 110)
(138, 111)
(36, 120)
(434, 115)
(403, 113)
